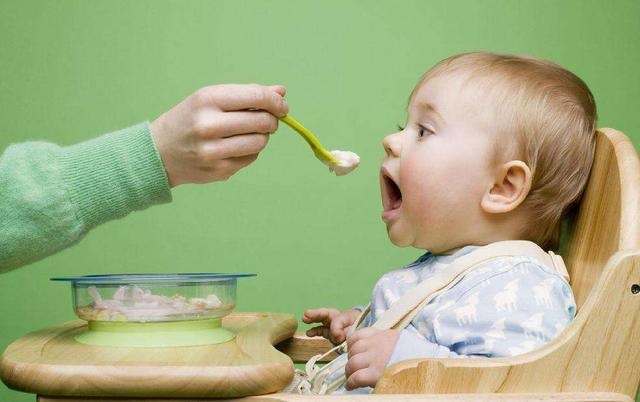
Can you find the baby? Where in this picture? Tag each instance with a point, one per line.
(496, 147)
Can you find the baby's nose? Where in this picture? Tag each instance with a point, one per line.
(391, 144)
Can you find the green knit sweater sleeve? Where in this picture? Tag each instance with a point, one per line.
(51, 196)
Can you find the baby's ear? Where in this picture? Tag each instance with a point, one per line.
(511, 186)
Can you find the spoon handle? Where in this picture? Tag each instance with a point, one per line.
(320, 151)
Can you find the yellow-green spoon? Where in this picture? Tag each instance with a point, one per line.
(321, 152)
(339, 162)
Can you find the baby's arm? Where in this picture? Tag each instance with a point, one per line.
(335, 323)
(372, 350)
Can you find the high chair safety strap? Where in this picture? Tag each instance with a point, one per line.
(400, 314)
(411, 303)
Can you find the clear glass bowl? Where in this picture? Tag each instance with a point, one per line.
(153, 297)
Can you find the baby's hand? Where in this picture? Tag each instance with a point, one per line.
(217, 131)
(334, 323)
(369, 352)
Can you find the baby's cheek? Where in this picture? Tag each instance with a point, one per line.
(419, 186)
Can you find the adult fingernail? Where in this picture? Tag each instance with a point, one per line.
(279, 89)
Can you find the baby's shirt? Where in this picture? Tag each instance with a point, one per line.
(504, 307)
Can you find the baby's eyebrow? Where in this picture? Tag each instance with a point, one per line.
(429, 108)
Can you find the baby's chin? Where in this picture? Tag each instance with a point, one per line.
(399, 239)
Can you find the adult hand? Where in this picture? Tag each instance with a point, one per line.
(217, 131)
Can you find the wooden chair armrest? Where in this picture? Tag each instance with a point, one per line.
(300, 348)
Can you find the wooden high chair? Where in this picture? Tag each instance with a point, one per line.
(598, 356)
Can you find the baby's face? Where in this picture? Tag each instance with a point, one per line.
(438, 167)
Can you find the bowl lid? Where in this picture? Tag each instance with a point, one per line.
(155, 278)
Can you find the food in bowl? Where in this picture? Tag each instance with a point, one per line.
(153, 297)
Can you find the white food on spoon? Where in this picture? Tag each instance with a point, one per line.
(347, 162)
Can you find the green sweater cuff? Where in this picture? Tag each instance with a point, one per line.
(114, 174)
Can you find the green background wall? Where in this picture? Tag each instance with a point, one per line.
(70, 70)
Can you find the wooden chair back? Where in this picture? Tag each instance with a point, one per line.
(608, 219)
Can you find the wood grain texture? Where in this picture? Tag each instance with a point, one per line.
(300, 348)
(51, 362)
(609, 216)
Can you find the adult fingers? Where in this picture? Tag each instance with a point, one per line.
(232, 147)
(232, 165)
(222, 169)
(231, 97)
(239, 162)
(213, 124)
(279, 89)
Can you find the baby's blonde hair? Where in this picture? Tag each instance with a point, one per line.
(551, 114)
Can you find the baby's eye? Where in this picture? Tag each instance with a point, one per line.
(422, 131)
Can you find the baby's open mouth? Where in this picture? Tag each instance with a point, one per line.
(391, 194)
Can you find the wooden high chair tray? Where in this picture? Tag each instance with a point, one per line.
(51, 362)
